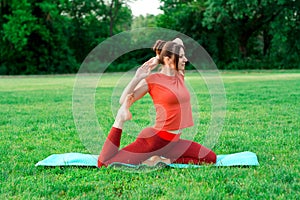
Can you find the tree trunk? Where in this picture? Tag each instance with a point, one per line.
(113, 13)
(111, 18)
(5, 9)
(267, 38)
(243, 41)
(111, 25)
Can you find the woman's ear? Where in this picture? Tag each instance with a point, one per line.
(167, 60)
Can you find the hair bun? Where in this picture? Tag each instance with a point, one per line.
(158, 46)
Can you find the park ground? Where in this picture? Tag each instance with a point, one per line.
(262, 116)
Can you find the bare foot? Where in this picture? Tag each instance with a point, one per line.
(155, 159)
(123, 113)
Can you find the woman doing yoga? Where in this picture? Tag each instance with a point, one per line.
(173, 113)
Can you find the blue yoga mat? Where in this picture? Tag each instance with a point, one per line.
(246, 158)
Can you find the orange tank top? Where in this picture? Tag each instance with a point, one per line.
(171, 99)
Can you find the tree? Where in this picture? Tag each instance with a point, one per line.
(244, 18)
(186, 16)
(93, 21)
(250, 33)
(285, 44)
(46, 36)
(34, 40)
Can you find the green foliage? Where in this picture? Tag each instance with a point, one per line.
(285, 41)
(262, 116)
(239, 34)
(248, 24)
(43, 36)
(46, 37)
(20, 24)
(144, 21)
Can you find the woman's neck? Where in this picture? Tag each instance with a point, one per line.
(168, 71)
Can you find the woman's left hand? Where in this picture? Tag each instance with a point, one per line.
(144, 71)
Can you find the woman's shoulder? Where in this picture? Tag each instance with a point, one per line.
(153, 76)
(161, 76)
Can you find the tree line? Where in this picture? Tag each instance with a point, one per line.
(55, 36)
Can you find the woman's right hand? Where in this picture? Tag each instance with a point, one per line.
(145, 70)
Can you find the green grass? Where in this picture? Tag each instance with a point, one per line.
(262, 116)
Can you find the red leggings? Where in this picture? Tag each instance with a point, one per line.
(151, 142)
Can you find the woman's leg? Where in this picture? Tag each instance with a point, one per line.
(146, 145)
(112, 143)
(149, 144)
(186, 151)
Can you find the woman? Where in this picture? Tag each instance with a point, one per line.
(173, 113)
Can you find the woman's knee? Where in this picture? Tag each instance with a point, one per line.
(212, 157)
(147, 133)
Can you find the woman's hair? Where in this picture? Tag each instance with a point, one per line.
(168, 49)
(158, 46)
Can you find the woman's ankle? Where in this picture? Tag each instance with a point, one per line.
(118, 124)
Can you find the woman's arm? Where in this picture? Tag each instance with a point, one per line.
(129, 88)
(138, 85)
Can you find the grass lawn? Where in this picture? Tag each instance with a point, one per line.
(262, 116)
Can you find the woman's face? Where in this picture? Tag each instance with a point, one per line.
(182, 59)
